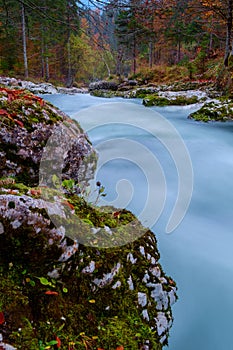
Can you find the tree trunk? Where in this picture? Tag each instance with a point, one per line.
(25, 59)
(44, 56)
(69, 80)
(134, 56)
(119, 63)
(211, 42)
(228, 47)
(69, 77)
(47, 74)
(150, 53)
(179, 52)
(42, 59)
(106, 64)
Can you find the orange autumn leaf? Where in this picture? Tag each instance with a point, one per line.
(35, 192)
(32, 98)
(71, 206)
(51, 292)
(4, 113)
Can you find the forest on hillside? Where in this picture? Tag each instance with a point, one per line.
(70, 41)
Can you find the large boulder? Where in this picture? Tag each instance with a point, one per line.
(216, 110)
(27, 123)
(86, 289)
(103, 85)
(60, 284)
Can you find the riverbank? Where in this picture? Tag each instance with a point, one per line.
(214, 107)
(40, 88)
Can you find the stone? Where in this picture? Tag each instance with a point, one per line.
(71, 91)
(103, 85)
(22, 140)
(215, 110)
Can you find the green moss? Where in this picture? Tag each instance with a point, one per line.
(103, 318)
(213, 111)
(103, 93)
(155, 100)
(128, 331)
(140, 93)
(27, 109)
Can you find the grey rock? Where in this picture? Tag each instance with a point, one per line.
(103, 85)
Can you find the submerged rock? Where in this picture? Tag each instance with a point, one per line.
(59, 282)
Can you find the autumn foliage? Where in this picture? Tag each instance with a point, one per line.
(66, 41)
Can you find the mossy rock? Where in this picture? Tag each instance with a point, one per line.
(27, 123)
(156, 100)
(214, 111)
(102, 93)
(52, 286)
(141, 92)
(107, 93)
(190, 85)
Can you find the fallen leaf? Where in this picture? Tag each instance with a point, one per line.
(51, 292)
(58, 342)
(19, 123)
(2, 318)
(3, 112)
(35, 192)
(68, 205)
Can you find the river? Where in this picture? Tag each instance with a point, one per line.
(198, 253)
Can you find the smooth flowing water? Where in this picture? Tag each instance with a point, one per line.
(198, 253)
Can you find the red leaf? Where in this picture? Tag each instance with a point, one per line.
(3, 112)
(120, 348)
(2, 318)
(116, 214)
(19, 123)
(51, 292)
(32, 98)
(58, 342)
